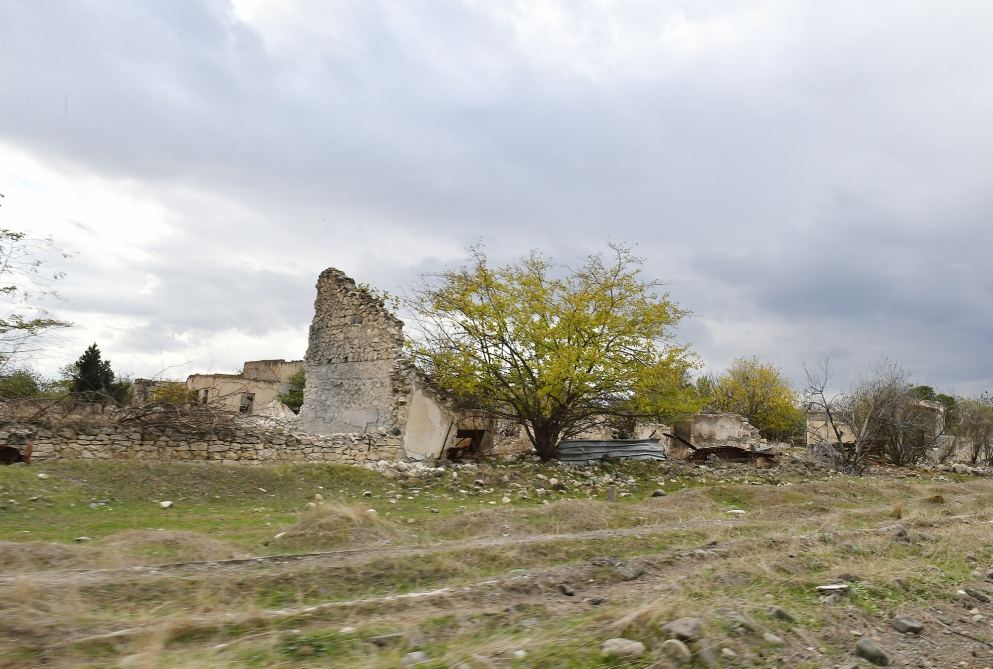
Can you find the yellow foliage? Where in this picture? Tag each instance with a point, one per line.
(171, 392)
(759, 392)
(554, 348)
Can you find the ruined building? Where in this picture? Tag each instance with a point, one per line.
(258, 384)
(360, 381)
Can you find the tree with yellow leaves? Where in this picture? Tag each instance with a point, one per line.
(762, 394)
(554, 349)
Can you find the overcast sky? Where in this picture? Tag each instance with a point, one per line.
(811, 179)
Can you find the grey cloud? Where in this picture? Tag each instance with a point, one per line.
(829, 178)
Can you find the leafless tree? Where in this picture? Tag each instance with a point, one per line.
(878, 413)
(25, 280)
(975, 426)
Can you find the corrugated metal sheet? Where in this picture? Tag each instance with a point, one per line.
(582, 451)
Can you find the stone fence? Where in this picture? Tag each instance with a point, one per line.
(245, 441)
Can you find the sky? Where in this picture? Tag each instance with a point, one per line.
(811, 180)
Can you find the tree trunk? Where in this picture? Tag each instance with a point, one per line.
(546, 441)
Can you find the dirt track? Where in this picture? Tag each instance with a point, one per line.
(752, 562)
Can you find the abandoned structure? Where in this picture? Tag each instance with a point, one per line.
(248, 392)
(258, 384)
(360, 381)
(927, 413)
(714, 430)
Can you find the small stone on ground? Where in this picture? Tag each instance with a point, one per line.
(780, 613)
(906, 624)
(684, 629)
(677, 650)
(769, 637)
(415, 658)
(869, 650)
(620, 647)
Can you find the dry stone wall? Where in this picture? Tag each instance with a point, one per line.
(247, 443)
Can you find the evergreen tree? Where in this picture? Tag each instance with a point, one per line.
(91, 378)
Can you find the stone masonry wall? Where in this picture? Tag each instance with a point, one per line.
(357, 379)
(248, 443)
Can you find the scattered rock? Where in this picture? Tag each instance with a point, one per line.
(566, 589)
(415, 658)
(703, 650)
(901, 533)
(43, 476)
(727, 652)
(740, 621)
(520, 654)
(771, 638)
(906, 624)
(387, 640)
(630, 572)
(595, 601)
(347, 630)
(780, 613)
(166, 504)
(80, 540)
(658, 493)
(978, 595)
(619, 647)
(684, 629)
(678, 651)
(505, 500)
(869, 650)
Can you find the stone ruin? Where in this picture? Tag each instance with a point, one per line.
(363, 401)
(360, 381)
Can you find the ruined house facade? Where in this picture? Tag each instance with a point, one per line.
(249, 392)
(359, 381)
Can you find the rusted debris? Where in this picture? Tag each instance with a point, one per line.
(730, 454)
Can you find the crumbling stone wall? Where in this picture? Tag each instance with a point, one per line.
(247, 442)
(720, 429)
(357, 379)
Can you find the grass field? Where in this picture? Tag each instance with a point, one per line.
(494, 566)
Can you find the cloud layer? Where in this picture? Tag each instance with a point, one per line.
(811, 180)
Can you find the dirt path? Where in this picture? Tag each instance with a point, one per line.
(755, 561)
(612, 579)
